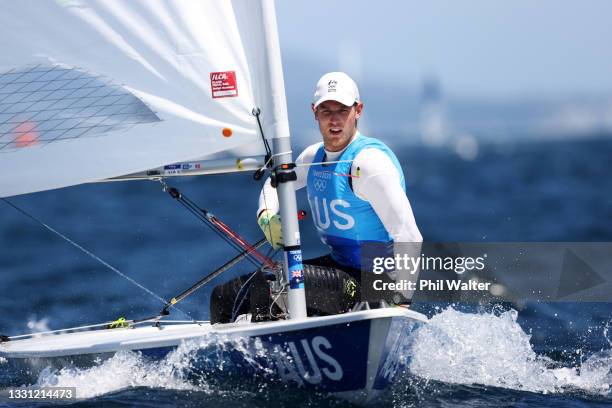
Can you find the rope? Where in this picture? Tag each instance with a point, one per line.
(91, 254)
(203, 216)
(271, 157)
(234, 308)
(275, 302)
(323, 162)
(256, 112)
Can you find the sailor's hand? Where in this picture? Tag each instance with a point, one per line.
(270, 224)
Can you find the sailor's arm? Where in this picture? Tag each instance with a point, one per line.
(267, 213)
(268, 199)
(379, 183)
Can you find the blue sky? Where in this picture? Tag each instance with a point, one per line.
(475, 48)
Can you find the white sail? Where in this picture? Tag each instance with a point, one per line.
(91, 90)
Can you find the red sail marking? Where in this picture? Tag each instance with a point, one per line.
(26, 135)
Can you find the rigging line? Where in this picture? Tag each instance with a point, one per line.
(208, 278)
(250, 257)
(265, 262)
(323, 162)
(202, 215)
(94, 256)
(275, 300)
(231, 236)
(332, 162)
(244, 295)
(269, 159)
(206, 221)
(256, 112)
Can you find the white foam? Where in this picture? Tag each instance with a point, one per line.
(38, 325)
(130, 369)
(492, 349)
(124, 370)
(486, 348)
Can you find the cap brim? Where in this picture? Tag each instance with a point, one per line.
(346, 101)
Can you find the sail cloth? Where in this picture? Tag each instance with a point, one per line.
(91, 90)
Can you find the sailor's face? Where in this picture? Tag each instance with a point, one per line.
(337, 123)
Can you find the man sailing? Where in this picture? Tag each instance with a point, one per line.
(355, 184)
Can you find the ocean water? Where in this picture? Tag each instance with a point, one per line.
(541, 354)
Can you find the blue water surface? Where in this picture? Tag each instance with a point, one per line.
(523, 191)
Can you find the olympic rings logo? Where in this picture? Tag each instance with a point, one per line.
(320, 185)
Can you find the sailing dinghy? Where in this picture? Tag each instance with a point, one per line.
(92, 91)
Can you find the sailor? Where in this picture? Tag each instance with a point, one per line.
(355, 184)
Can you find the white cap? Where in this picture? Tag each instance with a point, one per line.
(336, 86)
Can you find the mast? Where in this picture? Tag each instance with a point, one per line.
(284, 173)
(292, 261)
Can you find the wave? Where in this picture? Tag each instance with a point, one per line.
(470, 349)
(492, 349)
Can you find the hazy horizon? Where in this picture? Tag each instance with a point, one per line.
(489, 49)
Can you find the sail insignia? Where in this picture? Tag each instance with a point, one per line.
(42, 104)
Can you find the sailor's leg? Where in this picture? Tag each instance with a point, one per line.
(328, 262)
(248, 293)
(329, 290)
(224, 301)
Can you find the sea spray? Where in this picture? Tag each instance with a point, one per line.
(195, 365)
(607, 334)
(36, 325)
(492, 349)
(125, 369)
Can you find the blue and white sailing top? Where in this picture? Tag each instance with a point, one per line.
(343, 220)
(360, 199)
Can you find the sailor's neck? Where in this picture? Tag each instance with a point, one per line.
(331, 156)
